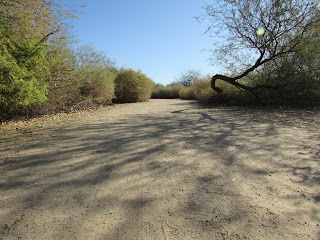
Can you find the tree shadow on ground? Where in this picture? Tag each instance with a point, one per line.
(182, 169)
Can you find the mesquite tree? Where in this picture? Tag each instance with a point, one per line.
(265, 29)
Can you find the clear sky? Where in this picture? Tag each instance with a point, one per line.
(159, 37)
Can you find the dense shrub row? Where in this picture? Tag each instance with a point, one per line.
(296, 89)
(202, 92)
(187, 93)
(168, 92)
(41, 70)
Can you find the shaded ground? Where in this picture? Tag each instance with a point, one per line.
(165, 169)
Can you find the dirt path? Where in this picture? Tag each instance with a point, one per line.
(165, 169)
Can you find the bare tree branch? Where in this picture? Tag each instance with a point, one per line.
(45, 38)
(285, 24)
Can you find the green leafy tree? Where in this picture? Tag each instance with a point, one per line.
(25, 30)
(23, 72)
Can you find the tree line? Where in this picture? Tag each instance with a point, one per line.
(43, 70)
(269, 50)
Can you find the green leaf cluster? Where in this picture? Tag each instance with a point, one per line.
(23, 72)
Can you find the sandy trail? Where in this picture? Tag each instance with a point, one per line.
(164, 169)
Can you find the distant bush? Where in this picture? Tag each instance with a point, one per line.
(132, 86)
(168, 92)
(202, 91)
(187, 93)
(98, 85)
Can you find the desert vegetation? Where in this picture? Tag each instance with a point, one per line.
(202, 92)
(268, 50)
(132, 86)
(43, 69)
(170, 91)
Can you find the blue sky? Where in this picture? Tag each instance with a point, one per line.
(159, 37)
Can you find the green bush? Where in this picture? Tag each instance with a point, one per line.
(203, 91)
(132, 86)
(168, 92)
(96, 73)
(23, 73)
(187, 93)
(97, 85)
(292, 79)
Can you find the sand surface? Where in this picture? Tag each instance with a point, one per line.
(163, 169)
